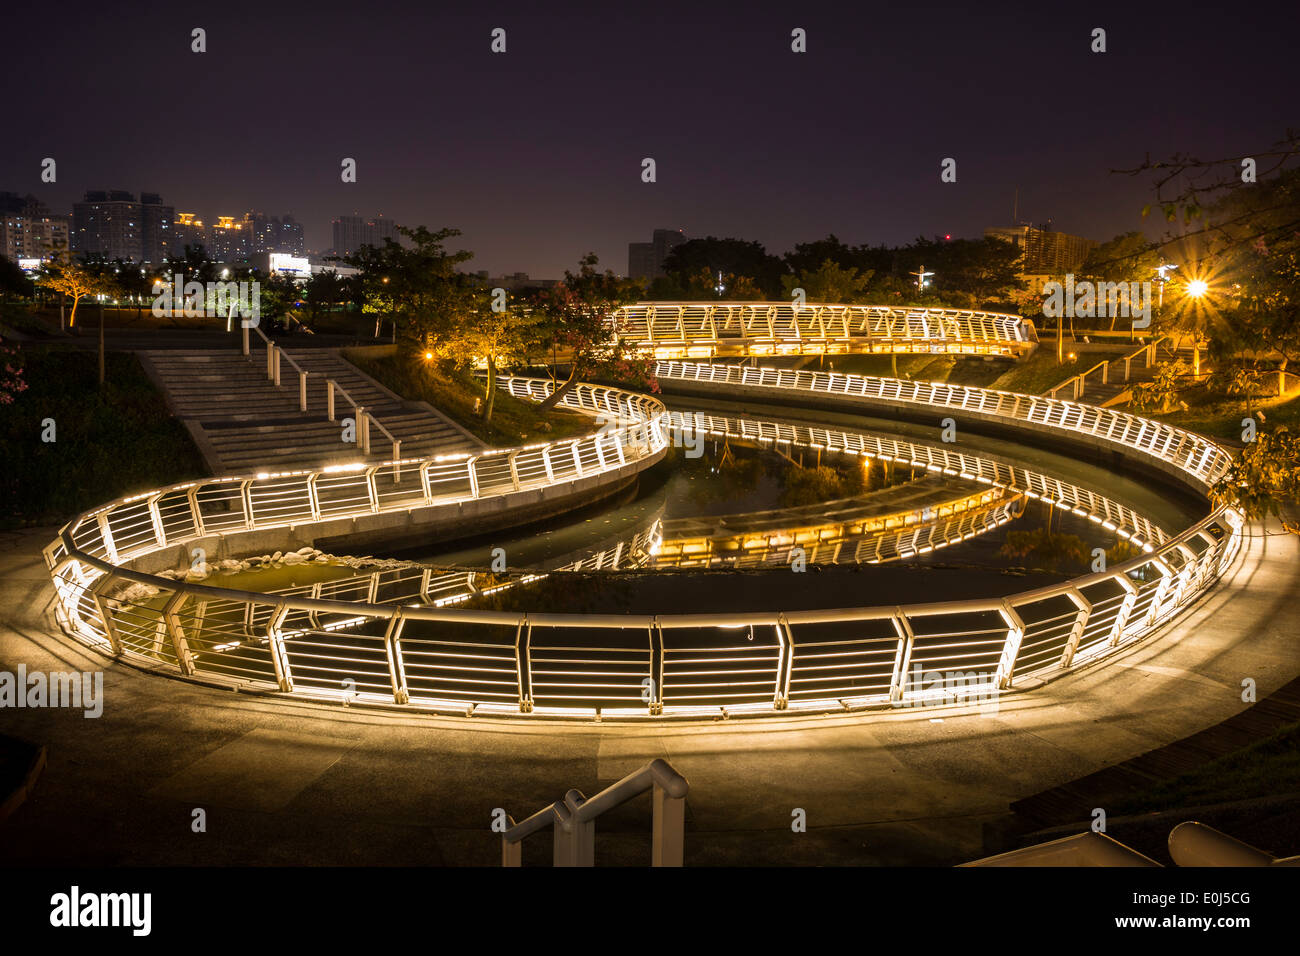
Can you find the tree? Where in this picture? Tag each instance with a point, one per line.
(13, 281)
(731, 257)
(423, 287)
(497, 337)
(1161, 393)
(829, 282)
(1130, 257)
(1264, 479)
(578, 314)
(74, 280)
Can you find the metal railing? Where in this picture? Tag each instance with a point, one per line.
(362, 417)
(1193, 455)
(1078, 384)
(573, 819)
(461, 660)
(707, 329)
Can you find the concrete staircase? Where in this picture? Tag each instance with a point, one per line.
(1119, 379)
(241, 421)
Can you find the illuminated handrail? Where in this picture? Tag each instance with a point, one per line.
(1193, 455)
(463, 660)
(705, 329)
(574, 819)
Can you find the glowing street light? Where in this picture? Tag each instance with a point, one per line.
(1197, 288)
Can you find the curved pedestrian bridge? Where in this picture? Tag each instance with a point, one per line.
(420, 646)
(675, 330)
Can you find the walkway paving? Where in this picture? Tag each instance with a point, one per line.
(241, 421)
(292, 782)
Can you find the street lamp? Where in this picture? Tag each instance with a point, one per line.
(1197, 288)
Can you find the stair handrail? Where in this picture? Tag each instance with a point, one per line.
(1079, 382)
(364, 418)
(574, 819)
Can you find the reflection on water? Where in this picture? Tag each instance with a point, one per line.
(748, 525)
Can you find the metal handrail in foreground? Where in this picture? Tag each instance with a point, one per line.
(718, 664)
(574, 819)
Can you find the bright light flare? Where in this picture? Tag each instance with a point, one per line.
(1197, 288)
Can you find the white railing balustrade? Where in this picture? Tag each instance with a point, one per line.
(354, 645)
(706, 329)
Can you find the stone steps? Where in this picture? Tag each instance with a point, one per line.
(243, 422)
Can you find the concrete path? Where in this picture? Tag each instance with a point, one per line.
(290, 782)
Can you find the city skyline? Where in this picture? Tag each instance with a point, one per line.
(535, 154)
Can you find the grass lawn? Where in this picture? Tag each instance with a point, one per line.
(514, 422)
(1220, 416)
(1265, 768)
(1032, 376)
(107, 445)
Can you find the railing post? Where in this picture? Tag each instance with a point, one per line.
(512, 853)
(270, 359)
(276, 369)
(903, 657)
(329, 399)
(302, 391)
(101, 604)
(393, 647)
(275, 644)
(1125, 609)
(575, 840)
(1084, 607)
(363, 426)
(180, 646)
(1010, 647)
(668, 829)
(243, 329)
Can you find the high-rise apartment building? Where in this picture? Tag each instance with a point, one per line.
(353, 232)
(113, 224)
(1045, 252)
(28, 230)
(275, 234)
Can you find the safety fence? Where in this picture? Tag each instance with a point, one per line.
(706, 329)
(464, 660)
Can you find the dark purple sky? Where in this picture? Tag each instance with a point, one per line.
(535, 154)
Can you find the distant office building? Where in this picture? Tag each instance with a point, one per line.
(645, 260)
(113, 224)
(28, 230)
(1045, 252)
(353, 232)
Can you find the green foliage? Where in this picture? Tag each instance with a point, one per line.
(810, 486)
(455, 393)
(111, 442)
(829, 282)
(1048, 550)
(1264, 479)
(1162, 392)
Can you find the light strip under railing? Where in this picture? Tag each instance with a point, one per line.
(681, 676)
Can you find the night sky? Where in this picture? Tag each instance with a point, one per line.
(536, 154)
